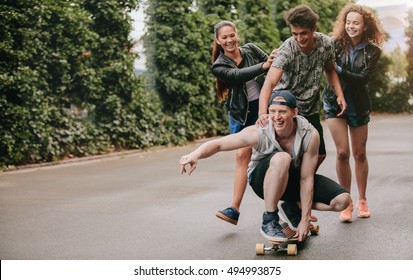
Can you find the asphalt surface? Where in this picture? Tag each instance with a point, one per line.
(138, 206)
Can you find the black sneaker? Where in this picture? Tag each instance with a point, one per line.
(231, 215)
(290, 213)
(271, 228)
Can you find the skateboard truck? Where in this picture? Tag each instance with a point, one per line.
(290, 246)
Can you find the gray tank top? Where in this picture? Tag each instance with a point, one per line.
(267, 144)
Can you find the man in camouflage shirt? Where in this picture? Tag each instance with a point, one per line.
(298, 67)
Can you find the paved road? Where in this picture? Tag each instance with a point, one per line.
(139, 207)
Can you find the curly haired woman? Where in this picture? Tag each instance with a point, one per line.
(358, 34)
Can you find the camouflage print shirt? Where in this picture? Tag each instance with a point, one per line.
(302, 73)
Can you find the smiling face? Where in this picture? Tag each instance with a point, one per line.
(282, 116)
(355, 27)
(304, 36)
(227, 38)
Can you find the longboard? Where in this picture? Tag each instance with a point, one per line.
(290, 245)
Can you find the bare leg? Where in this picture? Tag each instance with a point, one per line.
(276, 179)
(339, 203)
(339, 132)
(231, 214)
(274, 185)
(321, 158)
(243, 157)
(358, 144)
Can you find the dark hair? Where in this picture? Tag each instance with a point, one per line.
(222, 90)
(301, 16)
(374, 32)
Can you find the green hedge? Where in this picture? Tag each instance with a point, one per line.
(67, 86)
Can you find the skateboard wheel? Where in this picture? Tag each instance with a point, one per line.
(259, 249)
(292, 249)
(315, 229)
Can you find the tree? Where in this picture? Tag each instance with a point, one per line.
(280, 7)
(113, 61)
(390, 90)
(388, 93)
(220, 9)
(40, 59)
(259, 25)
(178, 48)
(66, 82)
(398, 67)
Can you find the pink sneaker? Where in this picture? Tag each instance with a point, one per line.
(363, 209)
(347, 214)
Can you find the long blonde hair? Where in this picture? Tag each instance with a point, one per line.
(374, 32)
(222, 90)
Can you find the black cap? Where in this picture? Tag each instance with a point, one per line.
(289, 98)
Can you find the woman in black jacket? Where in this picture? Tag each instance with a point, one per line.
(357, 33)
(240, 73)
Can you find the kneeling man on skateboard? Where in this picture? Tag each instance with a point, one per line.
(282, 167)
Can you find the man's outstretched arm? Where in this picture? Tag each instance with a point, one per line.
(244, 138)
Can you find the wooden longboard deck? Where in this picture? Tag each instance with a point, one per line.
(288, 241)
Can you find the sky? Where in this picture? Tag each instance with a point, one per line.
(409, 3)
(393, 19)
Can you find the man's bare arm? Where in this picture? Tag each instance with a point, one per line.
(271, 80)
(308, 168)
(334, 81)
(244, 138)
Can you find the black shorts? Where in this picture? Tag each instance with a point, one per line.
(325, 189)
(315, 121)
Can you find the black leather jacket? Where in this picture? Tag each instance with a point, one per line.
(235, 78)
(354, 78)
